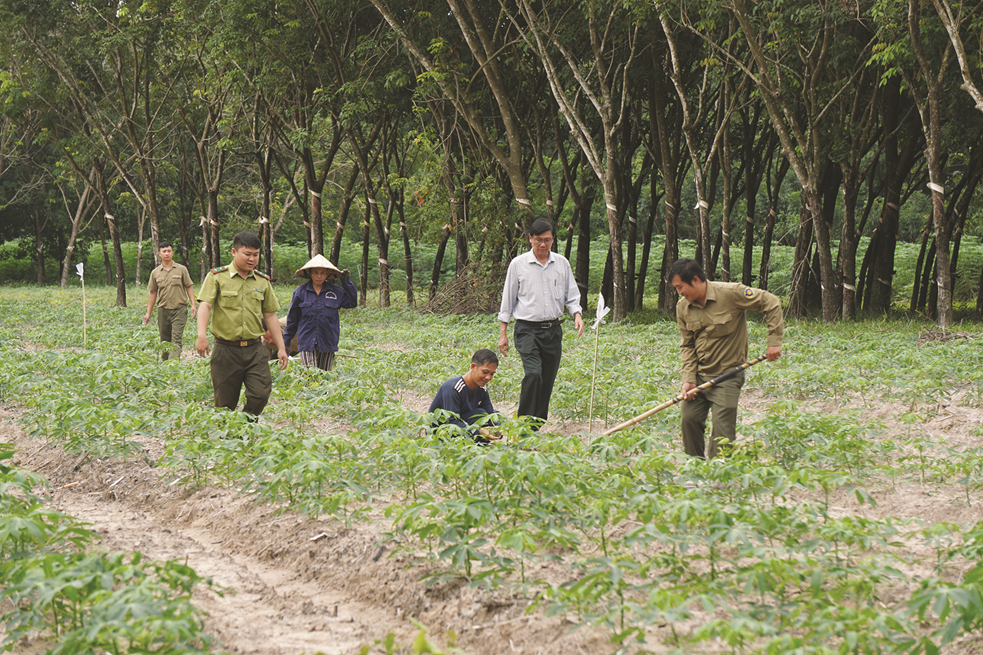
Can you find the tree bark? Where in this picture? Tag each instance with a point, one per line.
(930, 110)
(647, 243)
(84, 206)
(102, 188)
(42, 278)
(347, 198)
(438, 260)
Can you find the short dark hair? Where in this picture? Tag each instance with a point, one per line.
(164, 244)
(246, 240)
(686, 269)
(541, 225)
(484, 356)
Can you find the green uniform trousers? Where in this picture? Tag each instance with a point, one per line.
(232, 367)
(171, 324)
(722, 399)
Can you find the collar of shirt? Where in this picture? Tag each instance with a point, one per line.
(711, 293)
(710, 296)
(531, 259)
(233, 272)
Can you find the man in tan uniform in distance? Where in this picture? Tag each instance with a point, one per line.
(242, 298)
(170, 289)
(713, 325)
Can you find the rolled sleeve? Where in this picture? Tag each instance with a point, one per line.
(510, 293)
(687, 350)
(573, 294)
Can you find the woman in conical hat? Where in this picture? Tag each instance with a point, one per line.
(313, 315)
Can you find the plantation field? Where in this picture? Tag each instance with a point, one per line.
(847, 520)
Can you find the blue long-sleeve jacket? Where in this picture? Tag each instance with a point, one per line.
(314, 317)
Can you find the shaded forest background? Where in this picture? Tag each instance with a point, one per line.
(834, 145)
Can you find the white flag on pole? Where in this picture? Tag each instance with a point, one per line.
(602, 311)
(78, 270)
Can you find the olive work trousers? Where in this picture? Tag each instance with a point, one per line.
(540, 349)
(722, 399)
(171, 324)
(233, 367)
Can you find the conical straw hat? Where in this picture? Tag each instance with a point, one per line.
(318, 261)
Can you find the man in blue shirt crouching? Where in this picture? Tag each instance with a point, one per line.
(467, 400)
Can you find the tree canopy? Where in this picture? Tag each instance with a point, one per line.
(461, 122)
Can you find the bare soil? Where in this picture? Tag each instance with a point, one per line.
(291, 585)
(283, 584)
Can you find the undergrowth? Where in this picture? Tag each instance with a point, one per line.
(774, 549)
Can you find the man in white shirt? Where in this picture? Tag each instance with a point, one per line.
(538, 285)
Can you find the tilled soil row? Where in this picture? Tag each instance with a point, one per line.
(284, 584)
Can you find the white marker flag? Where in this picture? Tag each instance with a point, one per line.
(602, 311)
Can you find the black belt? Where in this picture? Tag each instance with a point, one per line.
(238, 344)
(542, 325)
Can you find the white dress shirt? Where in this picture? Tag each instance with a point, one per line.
(538, 292)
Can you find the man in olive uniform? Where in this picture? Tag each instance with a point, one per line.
(713, 325)
(170, 289)
(242, 297)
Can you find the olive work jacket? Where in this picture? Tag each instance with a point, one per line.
(714, 337)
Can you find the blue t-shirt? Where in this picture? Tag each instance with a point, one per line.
(467, 404)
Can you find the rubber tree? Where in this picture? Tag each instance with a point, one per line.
(927, 91)
(666, 146)
(438, 41)
(282, 53)
(793, 49)
(962, 22)
(920, 53)
(700, 81)
(115, 66)
(589, 76)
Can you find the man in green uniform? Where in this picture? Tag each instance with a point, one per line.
(713, 325)
(170, 289)
(242, 298)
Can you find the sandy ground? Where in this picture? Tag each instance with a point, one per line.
(289, 585)
(292, 585)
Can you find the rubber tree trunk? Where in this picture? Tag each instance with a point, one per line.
(42, 278)
(438, 260)
(347, 198)
(103, 191)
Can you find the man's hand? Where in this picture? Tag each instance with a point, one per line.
(194, 311)
(202, 320)
(578, 322)
(503, 339)
(489, 434)
(773, 353)
(151, 301)
(273, 327)
(689, 391)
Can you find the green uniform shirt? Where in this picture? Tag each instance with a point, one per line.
(714, 337)
(238, 303)
(171, 286)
